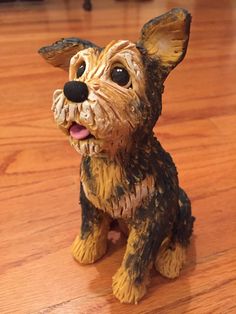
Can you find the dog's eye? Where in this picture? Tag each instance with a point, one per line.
(120, 76)
(81, 70)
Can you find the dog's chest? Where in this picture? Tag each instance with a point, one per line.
(106, 187)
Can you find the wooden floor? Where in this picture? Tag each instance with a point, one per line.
(39, 210)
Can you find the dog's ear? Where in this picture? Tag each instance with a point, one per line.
(165, 38)
(59, 53)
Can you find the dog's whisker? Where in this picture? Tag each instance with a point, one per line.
(56, 98)
(62, 116)
(79, 105)
(72, 112)
(86, 114)
(57, 93)
(59, 106)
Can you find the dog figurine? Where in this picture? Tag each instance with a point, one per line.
(108, 109)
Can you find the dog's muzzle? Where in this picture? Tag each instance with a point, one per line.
(77, 92)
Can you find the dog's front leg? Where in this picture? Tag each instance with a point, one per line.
(91, 243)
(148, 229)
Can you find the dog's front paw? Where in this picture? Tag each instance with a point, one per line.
(125, 289)
(89, 250)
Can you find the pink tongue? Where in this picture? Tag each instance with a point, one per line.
(78, 132)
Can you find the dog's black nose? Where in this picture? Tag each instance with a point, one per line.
(76, 91)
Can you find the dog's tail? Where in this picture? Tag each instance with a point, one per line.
(185, 220)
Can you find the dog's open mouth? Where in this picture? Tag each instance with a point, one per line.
(79, 132)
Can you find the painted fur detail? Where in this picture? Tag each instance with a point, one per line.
(108, 109)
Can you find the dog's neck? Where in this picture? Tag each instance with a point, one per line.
(126, 166)
(123, 157)
(110, 182)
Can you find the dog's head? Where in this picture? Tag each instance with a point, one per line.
(113, 97)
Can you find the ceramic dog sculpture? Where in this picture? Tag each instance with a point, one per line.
(108, 109)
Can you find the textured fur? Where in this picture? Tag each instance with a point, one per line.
(126, 175)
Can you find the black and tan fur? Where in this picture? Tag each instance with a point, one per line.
(126, 175)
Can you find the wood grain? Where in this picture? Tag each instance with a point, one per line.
(39, 183)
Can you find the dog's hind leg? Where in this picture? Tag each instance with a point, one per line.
(170, 258)
(172, 254)
(91, 243)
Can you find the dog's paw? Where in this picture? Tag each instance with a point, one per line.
(125, 289)
(169, 262)
(89, 250)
